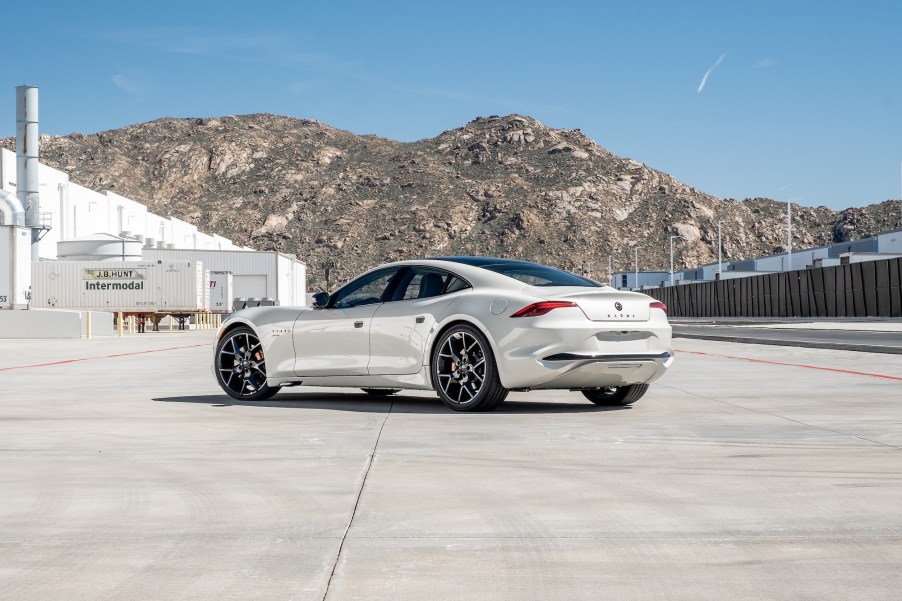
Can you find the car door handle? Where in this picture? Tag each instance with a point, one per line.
(421, 319)
(358, 324)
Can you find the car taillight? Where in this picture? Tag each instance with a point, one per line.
(659, 305)
(536, 309)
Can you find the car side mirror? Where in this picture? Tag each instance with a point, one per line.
(320, 300)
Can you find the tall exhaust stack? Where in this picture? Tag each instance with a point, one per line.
(27, 157)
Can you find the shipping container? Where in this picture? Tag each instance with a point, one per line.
(255, 275)
(220, 285)
(127, 286)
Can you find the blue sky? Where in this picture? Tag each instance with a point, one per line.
(802, 101)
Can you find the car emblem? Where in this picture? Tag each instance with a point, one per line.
(618, 306)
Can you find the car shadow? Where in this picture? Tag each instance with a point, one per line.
(355, 402)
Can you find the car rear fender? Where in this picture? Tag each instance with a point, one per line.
(465, 310)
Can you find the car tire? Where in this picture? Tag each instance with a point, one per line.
(613, 396)
(464, 372)
(241, 366)
(381, 391)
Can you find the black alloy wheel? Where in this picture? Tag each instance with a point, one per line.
(612, 396)
(241, 366)
(464, 372)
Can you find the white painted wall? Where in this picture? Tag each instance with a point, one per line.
(890, 242)
(38, 323)
(8, 171)
(15, 267)
(76, 211)
(126, 215)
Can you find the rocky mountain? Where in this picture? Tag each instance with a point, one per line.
(506, 186)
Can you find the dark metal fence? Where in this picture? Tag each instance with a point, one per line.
(868, 289)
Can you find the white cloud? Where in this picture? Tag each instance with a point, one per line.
(277, 49)
(266, 48)
(132, 82)
(707, 74)
(765, 63)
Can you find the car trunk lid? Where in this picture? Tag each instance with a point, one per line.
(606, 304)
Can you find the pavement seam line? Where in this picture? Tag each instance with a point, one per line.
(113, 356)
(366, 473)
(789, 419)
(784, 364)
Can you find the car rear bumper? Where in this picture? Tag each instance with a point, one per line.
(577, 353)
(610, 370)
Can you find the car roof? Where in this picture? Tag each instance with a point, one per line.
(481, 271)
(470, 268)
(473, 270)
(481, 261)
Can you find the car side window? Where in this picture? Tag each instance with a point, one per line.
(426, 283)
(365, 290)
(456, 284)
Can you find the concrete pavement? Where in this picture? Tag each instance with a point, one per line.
(748, 472)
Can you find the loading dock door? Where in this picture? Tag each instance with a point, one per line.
(249, 286)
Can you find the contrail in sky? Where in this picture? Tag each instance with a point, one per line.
(701, 86)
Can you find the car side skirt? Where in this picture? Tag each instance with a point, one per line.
(417, 381)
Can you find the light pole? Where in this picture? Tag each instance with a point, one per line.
(719, 249)
(327, 265)
(671, 258)
(636, 248)
(788, 235)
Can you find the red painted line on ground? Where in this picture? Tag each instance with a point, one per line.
(64, 361)
(833, 369)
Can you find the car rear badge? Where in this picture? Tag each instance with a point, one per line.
(618, 306)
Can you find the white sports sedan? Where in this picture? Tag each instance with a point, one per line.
(470, 328)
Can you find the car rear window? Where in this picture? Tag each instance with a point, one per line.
(539, 275)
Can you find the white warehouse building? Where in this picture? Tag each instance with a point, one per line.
(74, 212)
(47, 218)
(104, 226)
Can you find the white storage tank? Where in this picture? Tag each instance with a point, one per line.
(99, 247)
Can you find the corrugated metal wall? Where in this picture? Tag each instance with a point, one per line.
(870, 289)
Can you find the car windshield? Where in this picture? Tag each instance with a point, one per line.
(539, 275)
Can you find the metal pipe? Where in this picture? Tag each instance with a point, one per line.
(11, 210)
(63, 189)
(27, 160)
